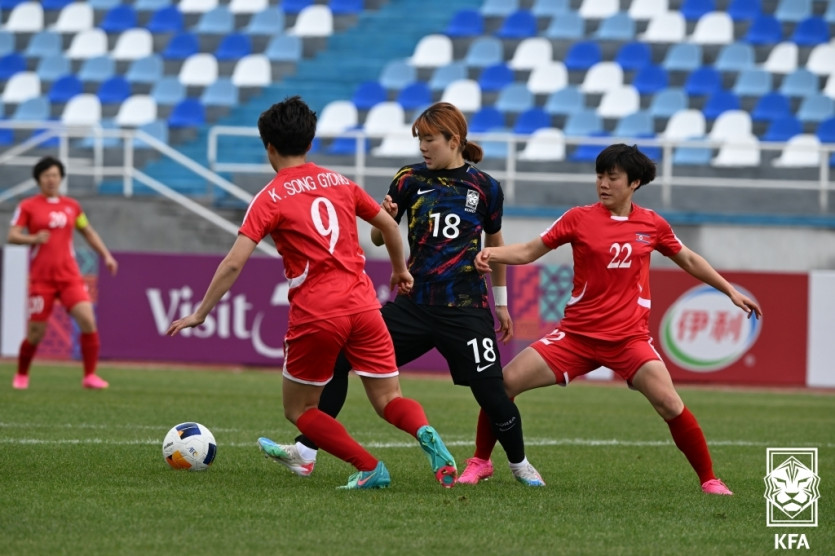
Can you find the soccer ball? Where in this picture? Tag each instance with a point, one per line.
(189, 446)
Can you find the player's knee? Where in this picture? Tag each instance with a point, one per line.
(492, 398)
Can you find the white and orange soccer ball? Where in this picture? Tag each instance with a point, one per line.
(189, 446)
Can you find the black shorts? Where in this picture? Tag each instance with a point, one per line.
(465, 336)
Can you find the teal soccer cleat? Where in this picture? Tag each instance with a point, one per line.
(376, 478)
(443, 464)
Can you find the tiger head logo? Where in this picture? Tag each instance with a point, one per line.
(792, 487)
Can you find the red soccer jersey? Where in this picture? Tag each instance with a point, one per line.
(610, 299)
(310, 212)
(55, 259)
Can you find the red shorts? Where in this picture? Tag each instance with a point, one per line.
(570, 355)
(42, 296)
(310, 349)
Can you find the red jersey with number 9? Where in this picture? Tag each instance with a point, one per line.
(310, 212)
(55, 259)
(610, 299)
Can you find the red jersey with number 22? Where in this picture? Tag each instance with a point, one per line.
(610, 299)
(55, 259)
(310, 212)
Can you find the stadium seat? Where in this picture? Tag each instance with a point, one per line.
(686, 124)
(33, 109)
(220, 93)
(713, 28)
(7, 42)
(181, 46)
(771, 106)
(547, 78)
(703, 81)
(811, 31)
(269, 21)
(139, 5)
(464, 93)
(284, 48)
(168, 91)
(346, 7)
(295, 6)
(582, 55)
(636, 124)
(367, 94)
(545, 144)
(82, 109)
(53, 5)
(782, 58)
(248, 6)
(444, 75)
(398, 144)
(822, 59)
(42, 44)
(583, 124)
(515, 97)
(313, 21)
(26, 17)
(532, 52)
(498, 8)
(432, 51)
(826, 131)
(565, 101)
(187, 113)
(166, 19)
(829, 88)
(816, 108)
(693, 156)
(634, 56)
(618, 102)
(616, 27)
(753, 83)
(11, 64)
(348, 144)
(133, 44)
(764, 30)
(530, 120)
(197, 6)
(650, 79)
(694, 10)
(520, 24)
(336, 117)
(483, 52)
(52, 67)
(735, 57)
(602, 77)
(396, 74)
(667, 102)
(114, 90)
(119, 18)
(793, 11)
(783, 129)
(64, 88)
(666, 27)
(384, 117)
(550, 8)
(88, 44)
(566, 26)
(136, 110)
(495, 77)
(157, 129)
(465, 23)
(800, 83)
(744, 10)
(730, 125)
(742, 151)
(233, 47)
(588, 152)
(145, 70)
(97, 69)
(829, 17)
(415, 95)
(800, 151)
(217, 21)
(21, 87)
(720, 101)
(683, 57)
(598, 9)
(253, 70)
(198, 70)
(494, 147)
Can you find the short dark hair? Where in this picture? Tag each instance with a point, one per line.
(289, 126)
(45, 164)
(636, 164)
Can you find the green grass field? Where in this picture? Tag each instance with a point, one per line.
(81, 472)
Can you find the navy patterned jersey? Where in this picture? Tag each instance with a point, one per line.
(447, 210)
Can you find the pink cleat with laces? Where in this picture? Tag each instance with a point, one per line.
(20, 382)
(94, 382)
(477, 470)
(715, 486)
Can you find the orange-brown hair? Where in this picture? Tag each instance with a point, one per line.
(446, 119)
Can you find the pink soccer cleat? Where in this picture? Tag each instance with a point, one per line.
(477, 470)
(715, 486)
(94, 382)
(20, 382)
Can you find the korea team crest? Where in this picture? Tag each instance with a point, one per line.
(792, 487)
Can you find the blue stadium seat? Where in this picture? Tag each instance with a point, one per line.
(168, 91)
(550, 8)
(826, 131)
(233, 47)
(444, 75)
(55, 5)
(346, 7)
(811, 31)
(667, 102)
(515, 97)
(569, 26)
(222, 92)
(7, 42)
(217, 21)
(565, 101)
(616, 27)
(692, 156)
(396, 74)
(118, 19)
(764, 30)
(495, 77)
(465, 23)
(530, 120)
(6, 134)
(720, 101)
(187, 113)
(97, 69)
(145, 70)
(347, 144)
(735, 57)
(10, 4)
(43, 44)
(295, 6)
(50, 68)
(269, 21)
(114, 90)
(633, 56)
(683, 57)
(783, 129)
(495, 148)
(498, 8)
(141, 5)
(771, 106)
(703, 81)
(34, 109)
(744, 10)
(829, 17)
(64, 88)
(181, 46)
(11, 64)
(693, 10)
(367, 94)
(521, 24)
(637, 124)
(583, 123)
(167, 19)
(816, 108)
(650, 79)
(415, 95)
(91, 140)
(793, 11)
(753, 82)
(485, 119)
(483, 52)
(582, 55)
(158, 129)
(284, 48)
(588, 152)
(800, 83)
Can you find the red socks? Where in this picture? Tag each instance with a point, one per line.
(90, 352)
(405, 414)
(25, 356)
(331, 436)
(688, 436)
(485, 439)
